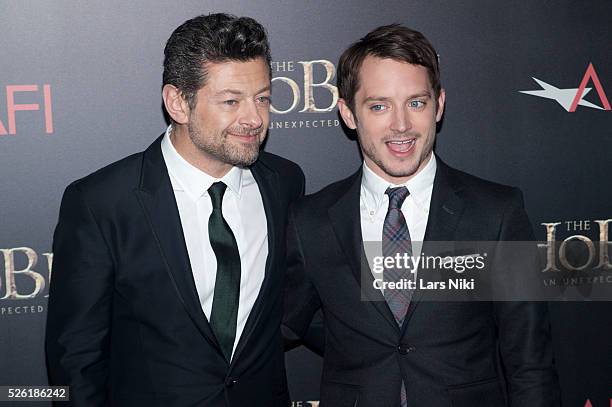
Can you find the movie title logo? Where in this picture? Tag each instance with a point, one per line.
(303, 94)
(580, 259)
(26, 98)
(26, 276)
(597, 253)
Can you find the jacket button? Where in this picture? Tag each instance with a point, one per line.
(405, 349)
(230, 382)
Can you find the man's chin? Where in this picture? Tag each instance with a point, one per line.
(400, 171)
(245, 160)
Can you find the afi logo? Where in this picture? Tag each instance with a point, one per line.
(588, 403)
(12, 107)
(569, 99)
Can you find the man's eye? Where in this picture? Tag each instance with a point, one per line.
(230, 102)
(264, 100)
(416, 104)
(377, 108)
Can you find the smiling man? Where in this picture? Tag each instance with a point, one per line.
(389, 348)
(168, 264)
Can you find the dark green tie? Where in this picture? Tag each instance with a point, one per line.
(224, 314)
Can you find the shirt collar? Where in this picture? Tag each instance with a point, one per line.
(191, 179)
(374, 186)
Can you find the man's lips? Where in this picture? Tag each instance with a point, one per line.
(247, 138)
(401, 147)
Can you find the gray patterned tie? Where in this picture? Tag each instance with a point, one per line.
(396, 240)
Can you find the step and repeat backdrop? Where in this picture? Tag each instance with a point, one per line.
(528, 88)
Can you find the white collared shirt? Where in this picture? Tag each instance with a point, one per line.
(242, 209)
(374, 204)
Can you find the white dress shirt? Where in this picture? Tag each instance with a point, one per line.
(243, 211)
(374, 204)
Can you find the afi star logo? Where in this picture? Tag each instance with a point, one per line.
(571, 98)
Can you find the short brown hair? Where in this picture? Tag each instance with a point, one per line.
(210, 38)
(387, 42)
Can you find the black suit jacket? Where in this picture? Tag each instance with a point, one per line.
(455, 354)
(125, 326)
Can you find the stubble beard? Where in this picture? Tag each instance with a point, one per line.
(221, 148)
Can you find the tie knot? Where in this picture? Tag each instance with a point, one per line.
(216, 192)
(397, 196)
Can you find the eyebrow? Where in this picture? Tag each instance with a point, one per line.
(385, 99)
(239, 92)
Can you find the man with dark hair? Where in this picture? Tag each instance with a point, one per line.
(387, 347)
(168, 264)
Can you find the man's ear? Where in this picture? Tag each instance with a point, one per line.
(176, 106)
(441, 100)
(347, 114)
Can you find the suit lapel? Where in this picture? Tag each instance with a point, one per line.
(345, 218)
(445, 211)
(156, 196)
(268, 184)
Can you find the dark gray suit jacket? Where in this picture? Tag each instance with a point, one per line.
(125, 326)
(448, 354)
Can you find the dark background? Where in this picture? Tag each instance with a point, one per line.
(103, 62)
